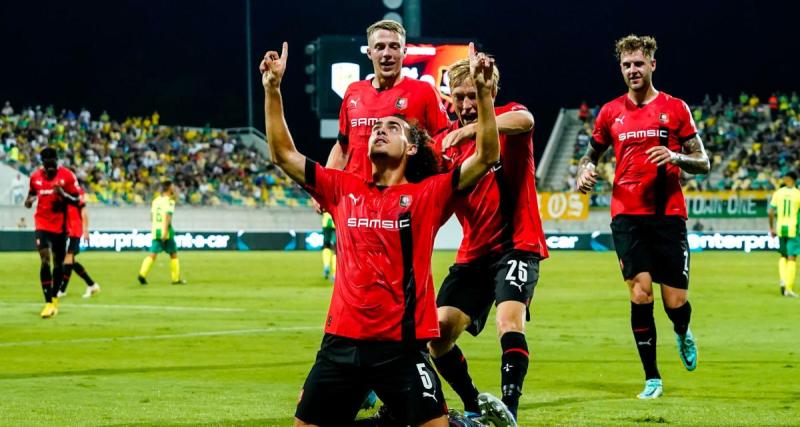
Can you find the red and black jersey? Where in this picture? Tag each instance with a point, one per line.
(502, 211)
(51, 209)
(384, 288)
(74, 218)
(363, 105)
(640, 187)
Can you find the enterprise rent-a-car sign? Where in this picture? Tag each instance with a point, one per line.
(597, 241)
(134, 240)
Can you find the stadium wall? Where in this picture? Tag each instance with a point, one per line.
(222, 218)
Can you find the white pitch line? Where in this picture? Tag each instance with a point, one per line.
(169, 308)
(161, 337)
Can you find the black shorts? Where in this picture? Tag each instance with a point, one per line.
(474, 286)
(329, 238)
(653, 244)
(74, 245)
(346, 370)
(54, 241)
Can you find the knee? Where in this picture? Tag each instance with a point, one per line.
(446, 341)
(300, 423)
(506, 325)
(451, 324)
(675, 301)
(510, 317)
(640, 294)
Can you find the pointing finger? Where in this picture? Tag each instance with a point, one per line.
(285, 51)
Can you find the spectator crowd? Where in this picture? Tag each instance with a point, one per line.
(122, 163)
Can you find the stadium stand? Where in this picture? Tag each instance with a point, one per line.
(751, 144)
(121, 163)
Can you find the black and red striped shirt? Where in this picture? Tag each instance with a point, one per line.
(384, 287)
(502, 211)
(640, 187)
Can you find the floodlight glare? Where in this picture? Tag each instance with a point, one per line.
(394, 16)
(392, 4)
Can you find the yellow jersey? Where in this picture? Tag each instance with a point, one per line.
(159, 209)
(786, 203)
(327, 221)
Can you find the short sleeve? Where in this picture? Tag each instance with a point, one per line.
(436, 119)
(513, 106)
(772, 203)
(601, 134)
(344, 129)
(81, 197)
(323, 184)
(444, 188)
(72, 186)
(31, 187)
(687, 128)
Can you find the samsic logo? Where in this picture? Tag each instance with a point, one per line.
(661, 133)
(385, 224)
(363, 121)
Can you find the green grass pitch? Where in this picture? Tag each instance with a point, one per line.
(234, 345)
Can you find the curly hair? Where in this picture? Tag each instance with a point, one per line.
(426, 162)
(632, 43)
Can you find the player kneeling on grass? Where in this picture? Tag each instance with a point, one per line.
(382, 311)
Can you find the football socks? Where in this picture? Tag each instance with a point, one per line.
(644, 334)
(680, 317)
(82, 272)
(513, 368)
(452, 366)
(175, 270)
(147, 264)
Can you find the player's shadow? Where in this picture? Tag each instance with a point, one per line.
(145, 370)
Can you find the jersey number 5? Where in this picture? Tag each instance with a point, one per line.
(423, 374)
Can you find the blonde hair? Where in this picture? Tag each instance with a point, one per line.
(388, 25)
(458, 73)
(632, 43)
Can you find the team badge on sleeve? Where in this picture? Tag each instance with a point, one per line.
(405, 201)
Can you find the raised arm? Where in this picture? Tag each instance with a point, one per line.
(587, 176)
(281, 146)
(487, 144)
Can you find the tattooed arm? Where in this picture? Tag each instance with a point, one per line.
(692, 158)
(587, 176)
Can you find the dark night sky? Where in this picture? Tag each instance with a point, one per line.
(186, 58)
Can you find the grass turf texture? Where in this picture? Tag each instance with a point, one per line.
(234, 345)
